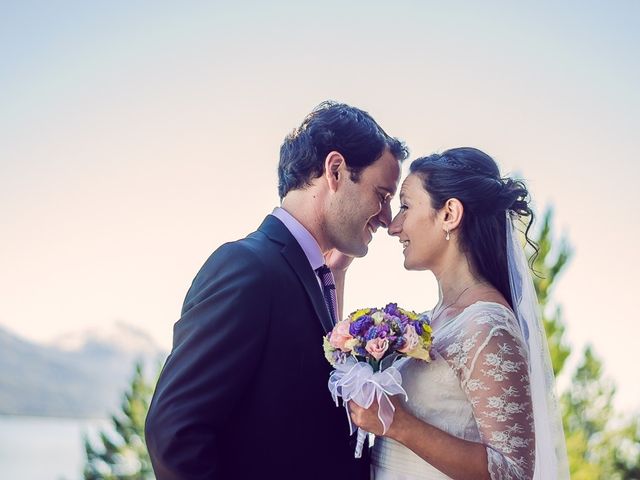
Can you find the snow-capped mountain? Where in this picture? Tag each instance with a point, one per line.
(118, 336)
(81, 374)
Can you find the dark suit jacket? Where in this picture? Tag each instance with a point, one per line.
(244, 393)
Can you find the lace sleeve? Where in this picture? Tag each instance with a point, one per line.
(489, 357)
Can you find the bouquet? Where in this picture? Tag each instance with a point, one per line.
(362, 348)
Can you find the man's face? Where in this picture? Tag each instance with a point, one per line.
(358, 209)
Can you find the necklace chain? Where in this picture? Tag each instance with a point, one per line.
(442, 309)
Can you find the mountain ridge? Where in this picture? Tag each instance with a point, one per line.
(81, 374)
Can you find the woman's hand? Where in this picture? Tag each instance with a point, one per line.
(337, 261)
(367, 418)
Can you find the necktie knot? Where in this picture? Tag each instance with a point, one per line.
(328, 290)
(323, 270)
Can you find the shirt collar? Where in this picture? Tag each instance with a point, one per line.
(303, 237)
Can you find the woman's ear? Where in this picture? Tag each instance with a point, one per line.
(334, 168)
(453, 211)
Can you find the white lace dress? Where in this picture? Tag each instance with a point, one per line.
(477, 388)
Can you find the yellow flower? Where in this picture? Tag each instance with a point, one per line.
(350, 344)
(358, 313)
(410, 314)
(426, 332)
(328, 350)
(421, 351)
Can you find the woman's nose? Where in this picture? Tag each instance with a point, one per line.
(395, 227)
(384, 217)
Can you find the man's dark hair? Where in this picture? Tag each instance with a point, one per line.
(333, 126)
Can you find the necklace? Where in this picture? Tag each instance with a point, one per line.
(442, 309)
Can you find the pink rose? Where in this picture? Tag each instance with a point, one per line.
(340, 335)
(411, 339)
(377, 347)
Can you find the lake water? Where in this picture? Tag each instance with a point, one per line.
(40, 448)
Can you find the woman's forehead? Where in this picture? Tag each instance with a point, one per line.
(411, 183)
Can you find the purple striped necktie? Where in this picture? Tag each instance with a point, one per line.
(329, 291)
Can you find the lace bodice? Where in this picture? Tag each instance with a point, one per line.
(477, 388)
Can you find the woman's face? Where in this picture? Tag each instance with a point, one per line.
(419, 227)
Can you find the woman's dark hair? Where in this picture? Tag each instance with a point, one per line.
(472, 177)
(332, 126)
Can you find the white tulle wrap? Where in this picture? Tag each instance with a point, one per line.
(551, 455)
(356, 381)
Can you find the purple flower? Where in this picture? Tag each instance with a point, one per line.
(339, 356)
(418, 326)
(383, 330)
(396, 325)
(395, 342)
(372, 333)
(398, 343)
(360, 326)
(360, 350)
(392, 310)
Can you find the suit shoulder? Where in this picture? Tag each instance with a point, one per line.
(248, 258)
(234, 265)
(253, 249)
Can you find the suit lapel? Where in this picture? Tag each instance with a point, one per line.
(300, 265)
(294, 255)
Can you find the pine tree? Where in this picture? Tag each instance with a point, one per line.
(626, 458)
(122, 453)
(600, 443)
(548, 265)
(587, 413)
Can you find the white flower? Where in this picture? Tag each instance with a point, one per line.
(377, 317)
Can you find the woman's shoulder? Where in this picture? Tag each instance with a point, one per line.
(488, 310)
(482, 326)
(487, 316)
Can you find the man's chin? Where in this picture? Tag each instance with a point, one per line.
(357, 251)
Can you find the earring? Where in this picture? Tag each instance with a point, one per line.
(447, 237)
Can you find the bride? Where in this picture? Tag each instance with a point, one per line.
(484, 407)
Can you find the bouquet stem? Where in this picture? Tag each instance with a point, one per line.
(362, 435)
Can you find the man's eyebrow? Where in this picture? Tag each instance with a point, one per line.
(386, 190)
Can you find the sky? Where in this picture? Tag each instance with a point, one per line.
(137, 137)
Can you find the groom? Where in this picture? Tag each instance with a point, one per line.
(244, 393)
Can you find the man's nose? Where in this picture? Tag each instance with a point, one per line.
(384, 217)
(395, 227)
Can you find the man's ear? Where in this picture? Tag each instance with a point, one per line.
(453, 210)
(334, 169)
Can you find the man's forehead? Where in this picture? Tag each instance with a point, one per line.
(385, 173)
(392, 181)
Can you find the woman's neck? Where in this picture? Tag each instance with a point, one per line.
(453, 280)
